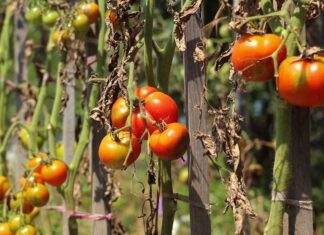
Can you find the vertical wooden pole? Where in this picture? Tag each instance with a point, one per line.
(196, 120)
(100, 203)
(21, 69)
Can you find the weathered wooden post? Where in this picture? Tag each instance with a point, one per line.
(196, 121)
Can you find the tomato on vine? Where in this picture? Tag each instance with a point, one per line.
(63, 36)
(37, 160)
(113, 152)
(171, 143)
(139, 124)
(49, 18)
(35, 178)
(81, 24)
(15, 203)
(27, 230)
(4, 187)
(251, 56)
(55, 173)
(34, 15)
(119, 112)
(162, 107)
(5, 229)
(301, 81)
(91, 10)
(37, 195)
(16, 221)
(144, 91)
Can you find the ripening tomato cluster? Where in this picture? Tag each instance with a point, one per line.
(33, 192)
(300, 80)
(155, 114)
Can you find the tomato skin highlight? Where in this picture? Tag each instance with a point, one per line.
(251, 56)
(113, 152)
(4, 187)
(5, 229)
(27, 230)
(161, 107)
(172, 143)
(301, 81)
(55, 173)
(144, 91)
(119, 112)
(38, 195)
(91, 10)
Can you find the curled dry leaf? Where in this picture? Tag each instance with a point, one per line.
(199, 55)
(208, 144)
(180, 20)
(313, 8)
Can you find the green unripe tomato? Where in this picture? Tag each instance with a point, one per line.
(34, 15)
(49, 18)
(81, 24)
(14, 222)
(225, 30)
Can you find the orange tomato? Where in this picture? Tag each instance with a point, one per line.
(170, 144)
(114, 152)
(5, 229)
(119, 112)
(55, 173)
(38, 195)
(35, 178)
(301, 81)
(251, 56)
(27, 230)
(36, 160)
(4, 187)
(91, 10)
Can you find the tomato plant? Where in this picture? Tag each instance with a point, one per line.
(27, 230)
(15, 203)
(171, 143)
(113, 152)
(91, 10)
(251, 56)
(4, 187)
(49, 18)
(37, 195)
(34, 15)
(119, 112)
(5, 229)
(55, 173)
(301, 81)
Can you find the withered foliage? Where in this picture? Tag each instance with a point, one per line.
(124, 44)
(313, 8)
(180, 20)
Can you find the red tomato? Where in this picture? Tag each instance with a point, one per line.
(35, 178)
(55, 173)
(251, 56)
(15, 203)
(144, 91)
(37, 195)
(27, 230)
(119, 112)
(138, 124)
(301, 81)
(4, 187)
(114, 152)
(5, 229)
(91, 10)
(35, 161)
(162, 107)
(170, 144)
